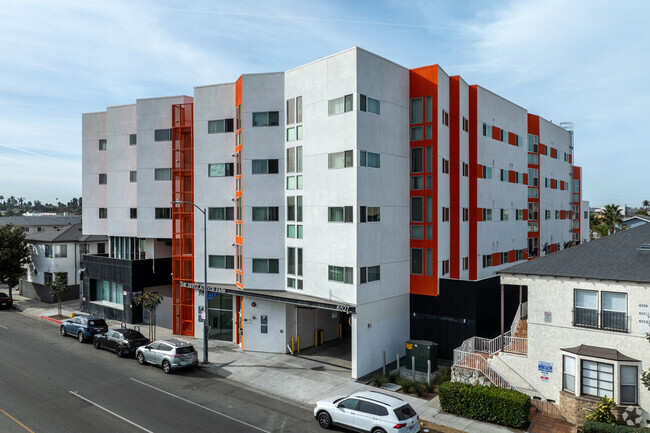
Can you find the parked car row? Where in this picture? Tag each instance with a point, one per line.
(170, 354)
(5, 301)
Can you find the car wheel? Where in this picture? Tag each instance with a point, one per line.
(119, 351)
(80, 337)
(96, 343)
(63, 331)
(167, 367)
(378, 430)
(324, 419)
(140, 357)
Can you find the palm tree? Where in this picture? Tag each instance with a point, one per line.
(646, 203)
(613, 217)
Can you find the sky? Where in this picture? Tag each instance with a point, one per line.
(586, 62)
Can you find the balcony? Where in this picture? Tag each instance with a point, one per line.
(608, 320)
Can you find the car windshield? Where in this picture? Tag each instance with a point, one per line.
(405, 412)
(130, 334)
(184, 350)
(97, 322)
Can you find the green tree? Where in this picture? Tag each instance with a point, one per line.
(612, 217)
(59, 286)
(14, 255)
(150, 302)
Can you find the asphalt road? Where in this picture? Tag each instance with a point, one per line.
(50, 384)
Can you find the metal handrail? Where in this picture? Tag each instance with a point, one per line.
(474, 361)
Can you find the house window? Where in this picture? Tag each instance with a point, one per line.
(60, 251)
(340, 274)
(133, 139)
(47, 278)
(569, 374)
(220, 170)
(597, 379)
(340, 214)
(585, 312)
(339, 105)
(102, 144)
(264, 166)
(266, 266)
(221, 125)
(163, 174)
(629, 392)
(103, 213)
(163, 213)
(340, 159)
(221, 213)
(133, 213)
(133, 176)
(221, 262)
(614, 311)
(369, 104)
(266, 213)
(266, 118)
(102, 178)
(162, 135)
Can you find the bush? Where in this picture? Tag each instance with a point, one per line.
(379, 380)
(444, 375)
(484, 403)
(601, 427)
(393, 376)
(603, 411)
(408, 385)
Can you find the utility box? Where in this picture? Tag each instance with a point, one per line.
(423, 351)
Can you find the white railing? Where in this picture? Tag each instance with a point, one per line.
(515, 321)
(515, 345)
(474, 361)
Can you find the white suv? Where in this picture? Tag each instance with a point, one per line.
(169, 354)
(368, 411)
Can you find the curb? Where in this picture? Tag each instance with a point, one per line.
(51, 319)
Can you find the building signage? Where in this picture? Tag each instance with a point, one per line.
(197, 286)
(545, 367)
(644, 318)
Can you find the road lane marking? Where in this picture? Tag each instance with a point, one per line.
(15, 420)
(3, 326)
(111, 412)
(201, 406)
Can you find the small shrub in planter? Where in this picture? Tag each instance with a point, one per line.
(379, 380)
(601, 427)
(484, 403)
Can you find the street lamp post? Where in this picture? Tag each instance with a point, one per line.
(205, 278)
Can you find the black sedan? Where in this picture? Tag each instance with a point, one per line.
(122, 341)
(5, 301)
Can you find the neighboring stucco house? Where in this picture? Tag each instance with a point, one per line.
(588, 315)
(58, 250)
(636, 220)
(41, 223)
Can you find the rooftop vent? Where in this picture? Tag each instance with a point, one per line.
(645, 247)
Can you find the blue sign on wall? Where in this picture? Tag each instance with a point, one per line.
(212, 295)
(545, 367)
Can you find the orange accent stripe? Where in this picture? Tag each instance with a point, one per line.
(239, 199)
(473, 182)
(454, 177)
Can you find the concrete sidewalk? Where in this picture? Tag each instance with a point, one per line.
(293, 378)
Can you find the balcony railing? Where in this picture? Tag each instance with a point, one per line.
(609, 320)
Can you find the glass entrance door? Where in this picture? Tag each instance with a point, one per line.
(220, 316)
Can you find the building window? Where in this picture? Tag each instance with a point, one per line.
(519, 255)
(369, 159)
(444, 166)
(369, 274)
(103, 213)
(487, 214)
(220, 170)
(597, 379)
(487, 260)
(585, 311)
(340, 274)
(465, 214)
(504, 214)
(133, 176)
(569, 374)
(266, 213)
(162, 174)
(416, 160)
(221, 213)
(369, 104)
(102, 144)
(465, 263)
(416, 210)
(221, 262)
(504, 258)
(107, 291)
(486, 172)
(162, 135)
(102, 178)
(47, 278)
(339, 105)
(416, 133)
(266, 266)
(465, 124)
(445, 214)
(444, 118)
(417, 111)
(264, 166)
(133, 213)
(340, 214)
(266, 118)
(417, 182)
(487, 130)
(445, 267)
(629, 391)
(163, 213)
(221, 125)
(614, 311)
(465, 169)
(416, 261)
(133, 139)
(60, 251)
(340, 159)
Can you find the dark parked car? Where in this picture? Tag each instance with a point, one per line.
(83, 327)
(122, 341)
(5, 301)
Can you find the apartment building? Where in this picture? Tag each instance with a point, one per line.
(347, 199)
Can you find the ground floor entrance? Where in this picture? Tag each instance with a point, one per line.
(220, 316)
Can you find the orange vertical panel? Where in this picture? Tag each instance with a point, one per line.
(473, 182)
(239, 240)
(512, 256)
(496, 259)
(454, 177)
(496, 133)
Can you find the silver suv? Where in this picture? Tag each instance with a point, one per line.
(169, 354)
(368, 411)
